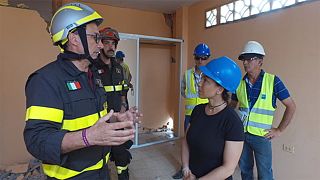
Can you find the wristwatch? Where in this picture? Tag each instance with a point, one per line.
(124, 104)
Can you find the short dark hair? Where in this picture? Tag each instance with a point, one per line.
(226, 96)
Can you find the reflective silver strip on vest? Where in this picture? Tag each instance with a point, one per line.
(262, 111)
(190, 106)
(244, 110)
(190, 95)
(259, 125)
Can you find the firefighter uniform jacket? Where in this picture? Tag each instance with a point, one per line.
(60, 99)
(113, 82)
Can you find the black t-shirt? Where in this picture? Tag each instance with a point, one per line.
(207, 135)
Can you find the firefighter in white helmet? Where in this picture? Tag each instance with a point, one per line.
(256, 96)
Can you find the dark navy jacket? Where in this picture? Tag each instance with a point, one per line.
(59, 100)
(112, 76)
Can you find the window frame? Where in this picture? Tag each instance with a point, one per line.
(218, 8)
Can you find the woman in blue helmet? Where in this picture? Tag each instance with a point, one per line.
(213, 143)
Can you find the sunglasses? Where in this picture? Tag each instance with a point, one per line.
(201, 58)
(97, 37)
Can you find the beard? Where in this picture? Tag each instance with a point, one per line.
(110, 53)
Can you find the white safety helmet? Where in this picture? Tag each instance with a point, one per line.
(253, 47)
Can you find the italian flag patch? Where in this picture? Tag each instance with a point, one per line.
(73, 85)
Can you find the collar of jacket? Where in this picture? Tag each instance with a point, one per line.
(68, 66)
(261, 75)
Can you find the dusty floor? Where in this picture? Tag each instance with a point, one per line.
(156, 162)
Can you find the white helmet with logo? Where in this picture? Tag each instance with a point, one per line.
(253, 47)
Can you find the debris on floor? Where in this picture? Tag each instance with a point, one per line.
(31, 171)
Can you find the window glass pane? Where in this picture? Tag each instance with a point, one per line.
(211, 18)
(259, 6)
(226, 13)
(282, 3)
(241, 9)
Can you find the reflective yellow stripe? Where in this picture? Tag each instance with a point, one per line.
(44, 113)
(103, 112)
(57, 36)
(59, 172)
(192, 83)
(125, 85)
(82, 122)
(113, 88)
(89, 18)
(120, 169)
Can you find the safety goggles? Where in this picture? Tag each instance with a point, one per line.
(249, 59)
(203, 58)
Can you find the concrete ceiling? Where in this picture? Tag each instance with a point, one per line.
(44, 7)
(162, 6)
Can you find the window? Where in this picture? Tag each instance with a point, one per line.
(211, 18)
(226, 13)
(259, 6)
(240, 9)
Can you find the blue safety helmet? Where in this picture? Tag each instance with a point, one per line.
(202, 50)
(223, 71)
(120, 54)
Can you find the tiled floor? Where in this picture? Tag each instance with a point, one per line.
(156, 162)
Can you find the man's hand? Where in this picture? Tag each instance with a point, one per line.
(123, 109)
(272, 133)
(131, 115)
(103, 133)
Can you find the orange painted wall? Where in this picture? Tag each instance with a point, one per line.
(25, 46)
(181, 31)
(132, 21)
(292, 43)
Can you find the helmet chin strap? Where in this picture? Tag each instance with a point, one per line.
(72, 55)
(83, 37)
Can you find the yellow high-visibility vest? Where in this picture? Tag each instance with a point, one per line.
(260, 117)
(192, 96)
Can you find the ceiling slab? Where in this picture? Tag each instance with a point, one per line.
(161, 6)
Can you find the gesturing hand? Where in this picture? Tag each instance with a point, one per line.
(103, 133)
(131, 115)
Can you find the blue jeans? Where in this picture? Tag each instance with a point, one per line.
(259, 148)
(186, 122)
